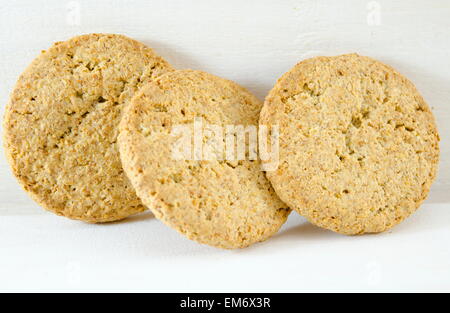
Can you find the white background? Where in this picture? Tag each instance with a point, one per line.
(252, 42)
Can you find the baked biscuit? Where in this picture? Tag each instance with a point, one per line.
(226, 204)
(61, 125)
(358, 143)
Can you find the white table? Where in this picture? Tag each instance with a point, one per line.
(253, 43)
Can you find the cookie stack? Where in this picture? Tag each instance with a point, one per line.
(92, 124)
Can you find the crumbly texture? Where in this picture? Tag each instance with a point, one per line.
(358, 144)
(61, 125)
(226, 204)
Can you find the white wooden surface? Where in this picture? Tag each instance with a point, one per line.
(251, 42)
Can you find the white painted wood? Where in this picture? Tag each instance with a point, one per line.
(251, 42)
(47, 253)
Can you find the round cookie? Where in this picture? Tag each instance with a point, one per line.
(61, 125)
(226, 204)
(359, 148)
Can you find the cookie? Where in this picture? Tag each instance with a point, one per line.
(61, 125)
(359, 148)
(210, 198)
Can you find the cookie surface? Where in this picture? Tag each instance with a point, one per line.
(227, 204)
(359, 148)
(61, 125)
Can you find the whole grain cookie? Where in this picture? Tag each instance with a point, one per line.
(358, 144)
(209, 198)
(62, 122)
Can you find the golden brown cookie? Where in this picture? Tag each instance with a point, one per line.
(61, 125)
(358, 144)
(216, 201)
